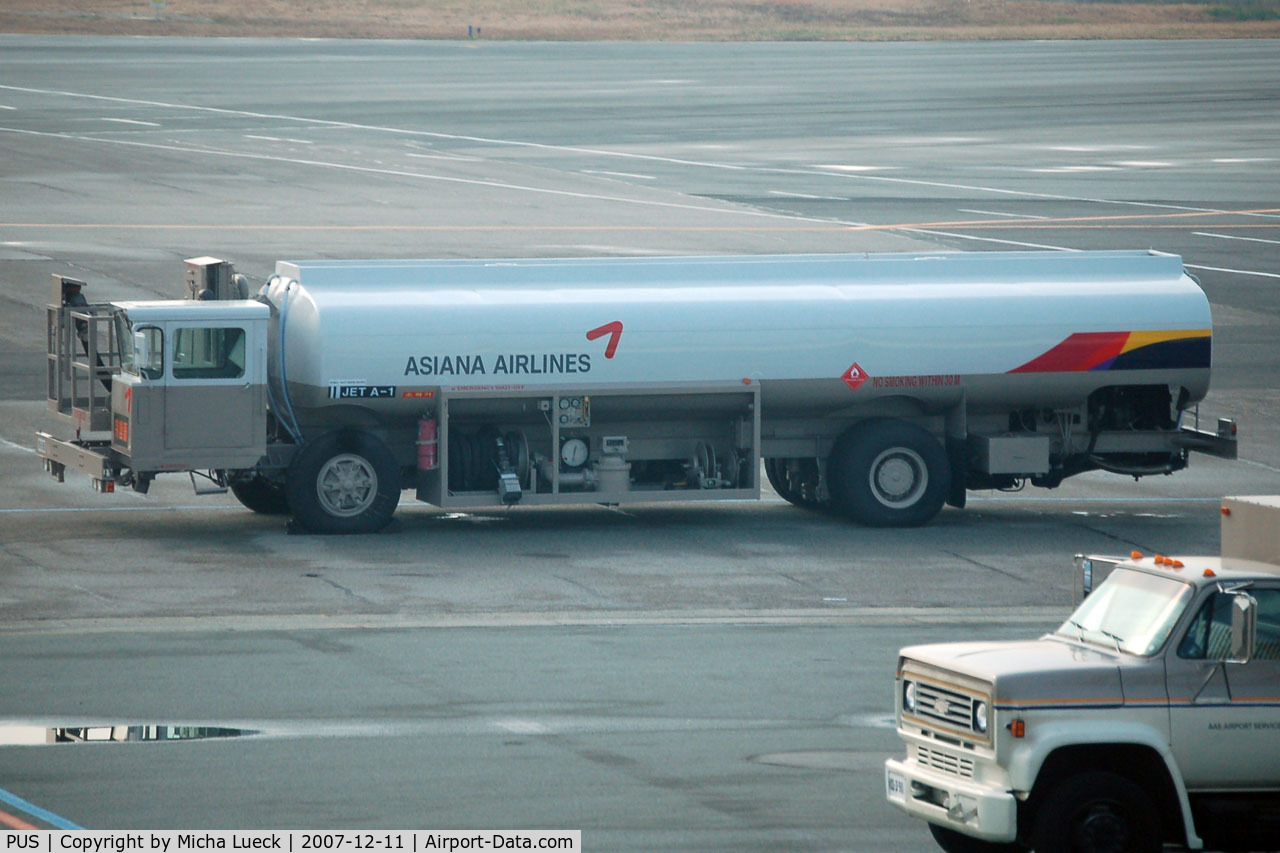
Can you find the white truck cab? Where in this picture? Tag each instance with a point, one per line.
(1150, 717)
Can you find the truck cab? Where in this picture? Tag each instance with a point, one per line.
(155, 386)
(191, 391)
(1151, 716)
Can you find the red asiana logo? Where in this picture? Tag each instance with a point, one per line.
(613, 330)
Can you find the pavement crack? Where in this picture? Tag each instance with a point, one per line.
(582, 586)
(1128, 544)
(988, 567)
(797, 581)
(344, 589)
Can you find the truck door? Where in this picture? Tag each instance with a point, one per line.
(215, 400)
(1225, 717)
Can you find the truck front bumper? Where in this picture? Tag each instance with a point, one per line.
(960, 804)
(95, 459)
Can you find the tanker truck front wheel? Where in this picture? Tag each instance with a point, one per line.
(343, 482)
(888, 473)
(795, 480)
(261, 495)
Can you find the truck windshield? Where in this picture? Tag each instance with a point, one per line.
(124, 338)
(1131, 612)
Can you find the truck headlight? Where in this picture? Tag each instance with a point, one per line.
(980, 717)
(909, 696)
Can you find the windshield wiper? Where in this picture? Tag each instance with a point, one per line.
(1114, 638)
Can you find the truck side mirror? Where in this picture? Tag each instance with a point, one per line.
(1090, 571)
(141, 349)
(148, 352)
(1244, 627)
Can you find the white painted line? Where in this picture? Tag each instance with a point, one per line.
(1089, 500)
(278, 139)
(7, 107)
(843, 168)
(1145, 164)
(373, 127)
(446, 157)
(828, 615)
(522, 727)
(402, 173)
(1070, 170)
(947, 185)
(132, 121)
(1231, 237)
(999, 213)
(1234, 272)
(151, 508)
(842, 171)
(619, 174)
(1094, 149)
(1233, 160)
(786, 194)
(986, 239)
(17, 446)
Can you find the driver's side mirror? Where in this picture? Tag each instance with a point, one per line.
(148, 352)
(1244, 627)
(141, 348)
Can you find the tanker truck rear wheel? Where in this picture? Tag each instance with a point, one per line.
(888, 473)
(344, 482)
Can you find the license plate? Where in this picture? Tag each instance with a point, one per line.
(895, 785)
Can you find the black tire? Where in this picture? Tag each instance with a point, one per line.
(261, 495)
(1097, 813)
(953, 842)
(888, 473)
(799, 490)
(777, 479)
(343, 482)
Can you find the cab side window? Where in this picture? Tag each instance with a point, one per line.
(153, 367)
(208, 353)
(1209, 636)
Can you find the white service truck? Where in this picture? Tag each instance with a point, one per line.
(1151, 717)
(882, 386)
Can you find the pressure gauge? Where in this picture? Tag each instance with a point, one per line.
(574, 452)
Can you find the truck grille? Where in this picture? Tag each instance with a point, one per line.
(951, 708)
(956, 765)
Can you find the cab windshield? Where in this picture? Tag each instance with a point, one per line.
(124, 339)
(1131, 612)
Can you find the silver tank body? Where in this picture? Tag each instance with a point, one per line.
(825, 335)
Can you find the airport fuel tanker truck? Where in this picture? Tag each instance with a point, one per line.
(880, 386)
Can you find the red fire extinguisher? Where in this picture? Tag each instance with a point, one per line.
(428, 458)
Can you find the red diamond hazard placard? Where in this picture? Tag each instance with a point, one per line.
(854, 377)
